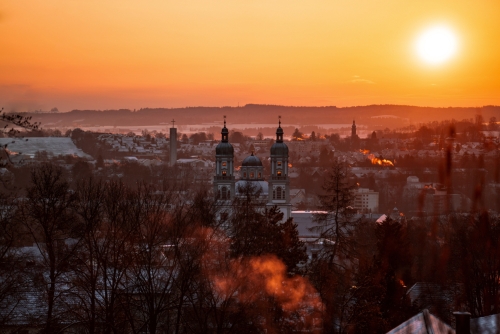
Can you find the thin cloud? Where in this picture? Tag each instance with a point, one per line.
(358, 79)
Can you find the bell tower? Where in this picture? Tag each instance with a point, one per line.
(279, 184)
(224, 167)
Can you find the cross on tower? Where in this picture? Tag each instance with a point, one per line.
(279, 121)
(173, 123)
(224, 120)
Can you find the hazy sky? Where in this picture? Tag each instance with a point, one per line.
(108, 54)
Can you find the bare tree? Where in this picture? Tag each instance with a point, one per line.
(50, 221)
(335, 218)
(332, 271)
(151, 294)
(87, 270)
(13, 281)
(117, 238)
(11, 125)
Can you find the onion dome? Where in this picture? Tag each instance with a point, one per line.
(224, 148)
(252, 161)
(279, 149)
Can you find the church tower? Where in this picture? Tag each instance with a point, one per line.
(354, 137)
(224, 167)
(279, 184)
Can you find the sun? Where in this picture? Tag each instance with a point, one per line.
(436, 45)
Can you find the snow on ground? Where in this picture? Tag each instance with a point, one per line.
(53, 145)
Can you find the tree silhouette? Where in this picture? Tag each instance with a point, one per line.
(48, 217)
(297, 135)
(332, 270)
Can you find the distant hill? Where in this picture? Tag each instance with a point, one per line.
(391, 116)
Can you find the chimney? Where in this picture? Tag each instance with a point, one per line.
(462, 322)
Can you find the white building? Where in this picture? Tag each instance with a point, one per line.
(366, 200)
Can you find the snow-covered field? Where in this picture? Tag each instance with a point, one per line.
(53, 145)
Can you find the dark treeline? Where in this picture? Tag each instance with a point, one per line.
(100, 256)
(372, 115)
(110, 258)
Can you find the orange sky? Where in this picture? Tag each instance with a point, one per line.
(109, 54)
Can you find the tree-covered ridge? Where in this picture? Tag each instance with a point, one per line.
(371, 115)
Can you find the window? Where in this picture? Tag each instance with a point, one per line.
(223, 173)
(279, 173)
(278, 193)
(279, 163)
(252, 175)
(224, 164)
(245, 174)
(260, 175)
(224, 193)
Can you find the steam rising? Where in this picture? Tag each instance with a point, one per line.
(259, 281)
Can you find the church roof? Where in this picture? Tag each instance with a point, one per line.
(423, 323)
(252, 161)
(224, 148)
(485, 325)
(279, 149)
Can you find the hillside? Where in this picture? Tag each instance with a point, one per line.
(373, 115)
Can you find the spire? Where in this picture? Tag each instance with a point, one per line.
(279, 131)
(224, 132)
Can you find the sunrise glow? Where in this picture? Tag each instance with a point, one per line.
(130, 54)
(437, 44)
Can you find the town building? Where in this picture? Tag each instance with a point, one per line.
(366, 200)
(275, 191)
(224, 182)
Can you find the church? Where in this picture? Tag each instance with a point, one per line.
(274, 191)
